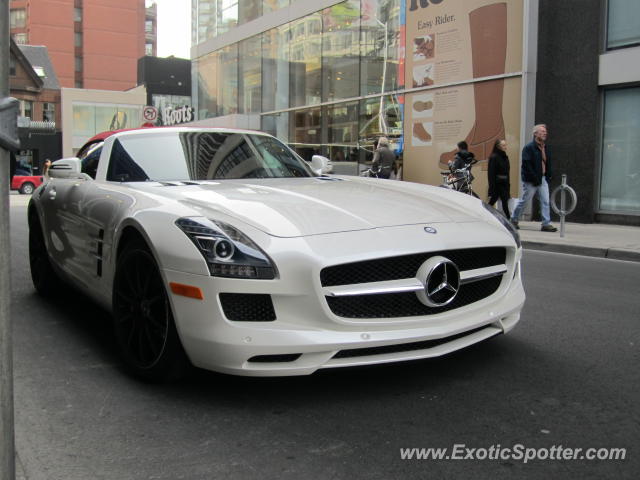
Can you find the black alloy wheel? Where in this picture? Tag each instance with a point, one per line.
(45, 280)
(144, 326)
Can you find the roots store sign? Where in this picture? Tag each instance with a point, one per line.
(464, 60)
(168, 115)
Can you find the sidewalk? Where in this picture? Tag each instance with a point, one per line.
(591, 239)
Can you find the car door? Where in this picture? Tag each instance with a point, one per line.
(68, 232)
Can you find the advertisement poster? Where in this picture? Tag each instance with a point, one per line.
(452, 45)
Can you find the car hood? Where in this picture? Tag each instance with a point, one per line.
(315, 206)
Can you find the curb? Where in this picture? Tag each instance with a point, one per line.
(611, 253)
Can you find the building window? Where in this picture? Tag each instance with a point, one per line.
(78, 39)
(26, 108)
(39, 71)
(249, 10)
(623, 23)
(620, 179)
(12, 67)
(250, 79)
(148, 49)
(20, 38)
(18, 18)
(77, 14)
(78, 61)
(78, 84)
(148, 26)
(49, 112)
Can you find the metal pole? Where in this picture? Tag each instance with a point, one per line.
(562, 204)
(7, 447)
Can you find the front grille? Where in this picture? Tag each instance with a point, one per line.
(406, 304)
(402, 347)
(406, 266)
(247, 307)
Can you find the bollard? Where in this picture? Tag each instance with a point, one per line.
(563, 189)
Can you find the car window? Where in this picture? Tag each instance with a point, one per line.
(90, 158)
(201, 155)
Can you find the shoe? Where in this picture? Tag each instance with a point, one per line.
(421, 133)
(421, 106)
(515, 224)
(548, 228)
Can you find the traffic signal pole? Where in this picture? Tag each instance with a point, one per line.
(8, 138)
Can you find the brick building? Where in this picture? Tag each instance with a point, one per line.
(33, 81)
(92, 43)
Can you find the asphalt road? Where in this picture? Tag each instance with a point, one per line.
(567, 375)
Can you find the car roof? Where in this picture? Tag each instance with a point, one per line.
(103, 135)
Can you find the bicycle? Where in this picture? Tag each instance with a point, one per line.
(459, 179)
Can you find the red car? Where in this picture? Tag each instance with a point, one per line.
(25, 184)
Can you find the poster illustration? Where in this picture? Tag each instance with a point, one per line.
(465, 64)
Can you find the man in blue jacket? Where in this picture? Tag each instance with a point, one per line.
(536, 170)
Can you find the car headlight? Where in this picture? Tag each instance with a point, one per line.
(504, 221)
(227, 251)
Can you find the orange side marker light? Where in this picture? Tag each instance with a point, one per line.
(186, 290)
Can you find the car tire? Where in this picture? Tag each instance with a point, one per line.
(143, 321)
(27, 188)
(45, 279)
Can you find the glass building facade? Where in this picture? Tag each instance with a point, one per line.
(330, 77)
(326, 82)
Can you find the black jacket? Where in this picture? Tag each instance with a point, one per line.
(498, 174)
(532, 163)
(462, 159)
(383, 159)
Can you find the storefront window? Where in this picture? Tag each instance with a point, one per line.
(84, 120)
(623, 23)
(250, 80)
(277, 125)
(342, 141)
(340, 50)
(373, 125)
(275, 69)
(90, 119)
(620, 182)
(305, 132)
(306, 54)
(380, 42)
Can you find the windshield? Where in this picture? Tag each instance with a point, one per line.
(201, 155)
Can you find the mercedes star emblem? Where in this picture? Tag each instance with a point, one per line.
(441, 280)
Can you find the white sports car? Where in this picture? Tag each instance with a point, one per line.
(224, 249)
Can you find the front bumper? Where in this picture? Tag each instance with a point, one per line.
(310, 337)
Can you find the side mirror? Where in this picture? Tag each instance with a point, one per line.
(65, 168)
(321, 165)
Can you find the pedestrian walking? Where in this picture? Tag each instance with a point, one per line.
(498, 176)
(383, 158)
(535, 172)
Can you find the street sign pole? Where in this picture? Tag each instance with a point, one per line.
(7, 446)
